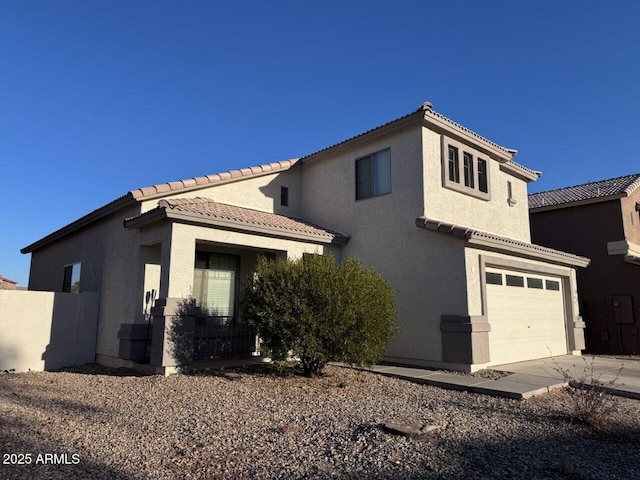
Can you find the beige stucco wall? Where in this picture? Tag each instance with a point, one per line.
(259, 193)
(47, 330)
(108, 254)
(425, 270)
(495, 216)
(631, 217)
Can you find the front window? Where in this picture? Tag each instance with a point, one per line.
(215, 283)
(467, 173)
(482, 176)
(71, 282)
(373, 175)
(454, 166)
(468, 170)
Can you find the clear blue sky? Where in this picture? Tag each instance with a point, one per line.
(101, 97)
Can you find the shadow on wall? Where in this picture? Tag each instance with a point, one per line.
(47, 330)
(181, 332)
(74, 327)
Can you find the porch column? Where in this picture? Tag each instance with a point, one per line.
(177, 259)
(172, 340)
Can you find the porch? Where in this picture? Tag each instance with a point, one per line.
(192, 268)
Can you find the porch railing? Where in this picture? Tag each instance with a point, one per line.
(220, 336)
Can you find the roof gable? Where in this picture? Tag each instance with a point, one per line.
(600, 190)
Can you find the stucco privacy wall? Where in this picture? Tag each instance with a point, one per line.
(106, 251)
(495, 216)
(258, 193)
(47, 330)
(393, 246)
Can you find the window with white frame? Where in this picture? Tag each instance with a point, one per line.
(464, 169)
(373, 175)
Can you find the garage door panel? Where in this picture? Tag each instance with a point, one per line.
(527, 319)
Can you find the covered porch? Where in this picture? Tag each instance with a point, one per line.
(195, 256)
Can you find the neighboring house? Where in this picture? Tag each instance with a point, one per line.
(600, 220)
(6, 284)
(438, 209)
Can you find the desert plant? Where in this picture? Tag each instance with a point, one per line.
(320, 311)
(590, 401)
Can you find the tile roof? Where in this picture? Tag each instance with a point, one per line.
(426, 110)
(208, 180)
(588, 191)
(221, 213)
(500, 243)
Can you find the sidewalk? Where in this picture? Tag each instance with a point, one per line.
(531, 378)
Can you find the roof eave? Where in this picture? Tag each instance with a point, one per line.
(198, 183)
(520, 172)
(161, 213)
(82, 222)
(436, 122)
(495, 243)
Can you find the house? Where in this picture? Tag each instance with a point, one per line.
(438, 209)
(6, 284)
(600, 220)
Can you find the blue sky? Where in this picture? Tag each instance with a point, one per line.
(101, 97)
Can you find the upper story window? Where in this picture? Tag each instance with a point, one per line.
(284, 196)
(71, 282)
(465, 170)
(373, 175)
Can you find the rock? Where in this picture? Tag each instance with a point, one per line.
(414, 431)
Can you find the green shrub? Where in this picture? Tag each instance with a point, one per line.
(320, 311)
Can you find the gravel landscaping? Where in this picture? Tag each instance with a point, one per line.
(242, 423)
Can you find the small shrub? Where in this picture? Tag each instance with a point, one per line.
(320, 311)
(591, 404)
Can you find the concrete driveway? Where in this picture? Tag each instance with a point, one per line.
(531, 378)
(617, 376)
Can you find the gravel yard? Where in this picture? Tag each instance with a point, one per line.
(240, 424)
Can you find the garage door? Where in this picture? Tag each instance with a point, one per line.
(527, 316)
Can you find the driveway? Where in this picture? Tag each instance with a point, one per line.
(617, 376)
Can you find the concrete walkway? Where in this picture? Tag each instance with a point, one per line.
(535, 377)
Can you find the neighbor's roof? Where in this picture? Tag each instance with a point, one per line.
(5, 279)
(206, 211)
(586, 193)
(502, 244)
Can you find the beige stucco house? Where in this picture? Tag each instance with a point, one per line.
(439, 210)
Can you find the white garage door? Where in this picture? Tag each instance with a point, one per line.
(526, 314)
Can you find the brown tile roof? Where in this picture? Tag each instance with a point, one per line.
(208, 180)
(231, 216)
(499, 243)
(588, 191)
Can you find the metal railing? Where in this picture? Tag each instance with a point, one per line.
(220, 336)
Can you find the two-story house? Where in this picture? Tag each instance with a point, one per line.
(600, 220)
(439, 210)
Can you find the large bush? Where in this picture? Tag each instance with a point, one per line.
(320, 311)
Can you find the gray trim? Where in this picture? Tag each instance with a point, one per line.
(503, 244)
(518, 171)
(161, 214)
(460, 187)
(465, 339)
